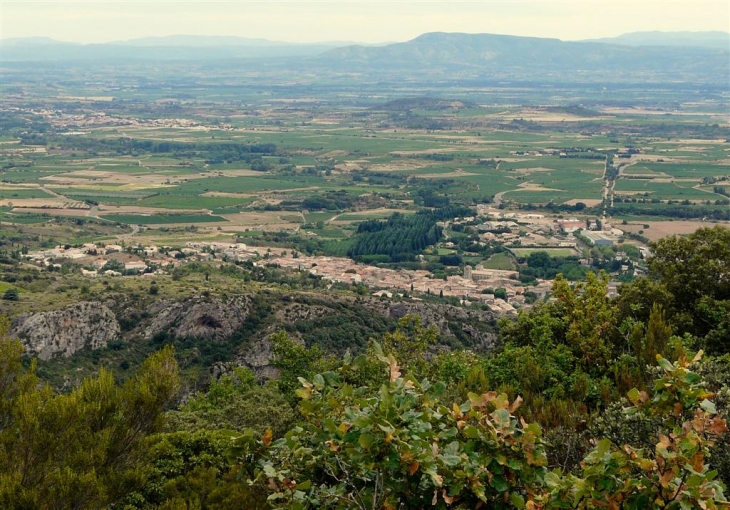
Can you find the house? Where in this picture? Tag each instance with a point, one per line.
(135, 265)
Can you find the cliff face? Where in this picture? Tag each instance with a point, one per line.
(66, 331)
(336, 323)
(198, 317)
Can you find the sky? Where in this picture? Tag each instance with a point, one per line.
(94, 21)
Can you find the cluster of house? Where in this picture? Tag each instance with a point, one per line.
(96, 260)
(473, 285)
(91, 257)
(63, 119)
(535, 230)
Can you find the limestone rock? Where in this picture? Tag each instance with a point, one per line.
(198, 317)
(67, 330)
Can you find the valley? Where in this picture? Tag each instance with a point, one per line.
(461, 271)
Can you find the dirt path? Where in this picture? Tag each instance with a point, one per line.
(53, 193)
(498, 197)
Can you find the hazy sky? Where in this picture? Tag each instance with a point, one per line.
(352, 20)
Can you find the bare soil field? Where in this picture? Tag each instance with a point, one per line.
(259, 219)
(50, 202)
(455, 173)
(398, 167)
(547, 116)
(531, 186)
(52, 212)
(660, 229)
(590, 202)
(133, 209)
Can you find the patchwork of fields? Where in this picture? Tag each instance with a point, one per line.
(272, 168)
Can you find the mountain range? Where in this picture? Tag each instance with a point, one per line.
(699, 57)
(712, 39)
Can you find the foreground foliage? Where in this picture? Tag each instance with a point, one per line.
(396, 445)
(84, 449)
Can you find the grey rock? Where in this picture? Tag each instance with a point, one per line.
(65, 331)
(198, 317)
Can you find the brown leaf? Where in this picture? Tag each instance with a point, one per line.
(413, 467)
(678, 409)
(394, 369)
(515, 405)
(448, 499)
(667, 477)
(697, 462)
(718, 426)
(272, 485)
(268, 436)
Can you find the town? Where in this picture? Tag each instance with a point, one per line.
(501, 290)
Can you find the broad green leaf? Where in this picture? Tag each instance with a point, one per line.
(304, 486)
(366, 441)
(708, 407)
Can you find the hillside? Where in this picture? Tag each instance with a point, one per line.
(572, 407)
(715, 39)
(489, 55)
(431, 56)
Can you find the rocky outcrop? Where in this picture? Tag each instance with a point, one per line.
(471, 323)
(65, 331)
(202, 318)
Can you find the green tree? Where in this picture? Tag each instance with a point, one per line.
(672, 474)
(396, 446)
(235, 402)
(11, 295)
(83, 449)
(590, 318)
(695, 270)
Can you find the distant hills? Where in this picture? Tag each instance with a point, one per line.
(475, 56)
(174, 47)
(714, 39)
(654, 56)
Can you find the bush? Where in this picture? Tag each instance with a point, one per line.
(11, 295)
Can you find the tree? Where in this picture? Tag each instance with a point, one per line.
(590, 318)
(696, 271)
(538, 259)
(674, 474)
(394, 444)
(84, 449)
(11, 295)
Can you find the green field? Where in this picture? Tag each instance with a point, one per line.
(553, 252)
(358, 157)
(502, 261)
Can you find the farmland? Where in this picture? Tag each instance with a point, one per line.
(319, 167)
